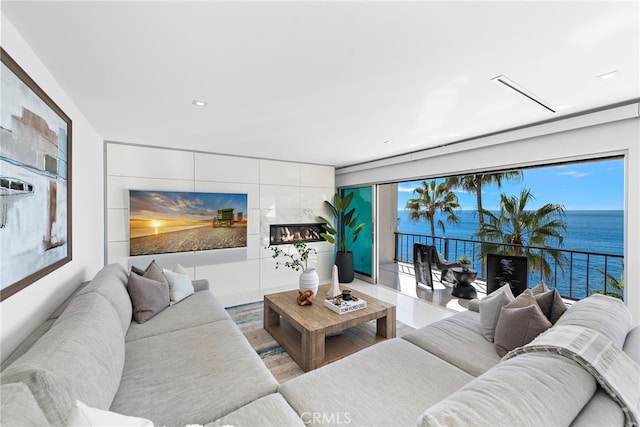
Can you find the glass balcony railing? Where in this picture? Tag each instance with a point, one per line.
(581, 274)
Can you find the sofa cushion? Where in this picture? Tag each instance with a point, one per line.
(454, 339)
(149, 297)
(269, 411)
(600, 411)
(527, 390)
(111, 283)
(194, 375)
(490, 310)
(80, 358)
(18, 407)
(605, 314)
(200, 308)
(632, 344)
(358, 389)
(551, 304)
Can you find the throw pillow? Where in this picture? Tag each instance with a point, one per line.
(154, 272)
(179, 269)
(148, 297)
(490, 310)
(138, 271)
(180, 286)
(519, 323)
(85, 416)
(551, 304)
(541, 287)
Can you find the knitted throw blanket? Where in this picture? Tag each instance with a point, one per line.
(614, 370)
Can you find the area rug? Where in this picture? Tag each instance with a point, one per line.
(249, 319)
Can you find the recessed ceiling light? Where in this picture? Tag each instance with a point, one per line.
(388, 141)
(199, 103)
(608, 75)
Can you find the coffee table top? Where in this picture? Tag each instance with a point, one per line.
(318, 317)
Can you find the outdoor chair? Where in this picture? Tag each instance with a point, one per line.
(443, 265)
(422, 264)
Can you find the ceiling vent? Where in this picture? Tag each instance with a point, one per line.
(502, 80)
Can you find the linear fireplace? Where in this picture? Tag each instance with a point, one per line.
(282, 234)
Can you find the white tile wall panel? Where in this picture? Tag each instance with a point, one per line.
(118, 252)
(214, 167)
(317, 175)
(312, 198)
(252, 190)
(118, 188)
(149, 162)
(279, 196)
(279, 173)
(254, 246)
(253, 223)
(117, 225)
(231, 278)
(271, 277)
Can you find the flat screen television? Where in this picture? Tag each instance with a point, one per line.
(503, 270)
(182, 221)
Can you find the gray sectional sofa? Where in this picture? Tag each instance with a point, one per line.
(191, 365)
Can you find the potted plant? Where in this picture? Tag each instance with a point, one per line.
(298, 261)
(343, 233)
(464, 261)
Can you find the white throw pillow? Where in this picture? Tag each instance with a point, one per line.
(180, 286)
(179, 269)
(490, 310)
(84, 416)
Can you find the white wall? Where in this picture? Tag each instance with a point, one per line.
(611, 132)
(387, 222)
(278, 192)
(22, 312)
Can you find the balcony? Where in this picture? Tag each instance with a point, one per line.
(582, 274)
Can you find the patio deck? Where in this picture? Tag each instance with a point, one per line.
(400, 276)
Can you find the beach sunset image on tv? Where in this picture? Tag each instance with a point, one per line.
(177, 221)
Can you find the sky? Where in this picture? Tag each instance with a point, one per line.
(185, 206)
(594, 185)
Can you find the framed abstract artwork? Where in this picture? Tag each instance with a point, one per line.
(182, 221)
(511, 270)
(35, 181)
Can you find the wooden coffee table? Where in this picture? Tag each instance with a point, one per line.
(311, 334)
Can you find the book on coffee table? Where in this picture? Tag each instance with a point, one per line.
(345, 306)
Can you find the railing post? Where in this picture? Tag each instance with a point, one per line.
(446, 248)
(395, 255)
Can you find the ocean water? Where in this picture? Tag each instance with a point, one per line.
(595, 232)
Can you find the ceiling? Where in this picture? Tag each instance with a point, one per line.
(334, 83)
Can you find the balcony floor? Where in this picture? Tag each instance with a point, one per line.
(400, 276)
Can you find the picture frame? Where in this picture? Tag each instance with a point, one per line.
(512, 270)
(35, 181)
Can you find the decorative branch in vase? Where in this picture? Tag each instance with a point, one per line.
(298, 261)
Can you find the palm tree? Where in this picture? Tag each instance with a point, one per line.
(474, 183)
(616, 285)
(518, 226)
(433, 198)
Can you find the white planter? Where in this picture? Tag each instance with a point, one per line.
(309, 280)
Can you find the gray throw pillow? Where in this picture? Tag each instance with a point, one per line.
(540, 288)
(149, 297)
(138, 271)
(551, 304)
(519, 323)
(154, 272)
(489, 308)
